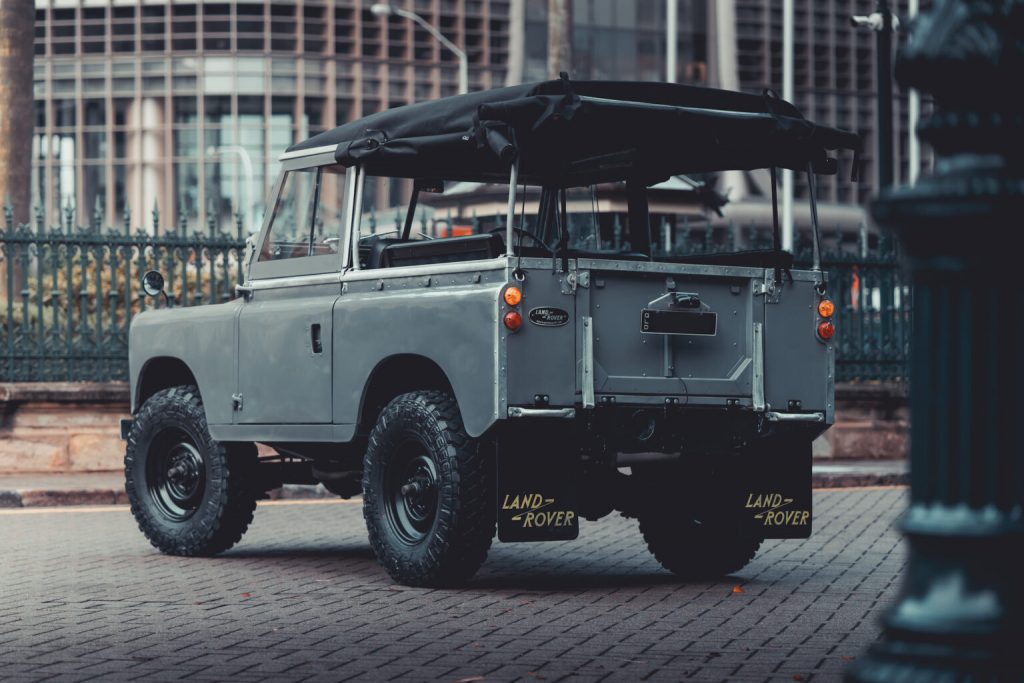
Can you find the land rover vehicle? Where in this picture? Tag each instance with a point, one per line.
(508, 379)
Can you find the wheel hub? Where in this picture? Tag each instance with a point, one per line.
(176, 475)
(412, 504)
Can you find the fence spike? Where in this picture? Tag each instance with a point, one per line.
(69, 216)
(40, 219)
(240, 222)
(97, 214)
(211, 218)
(182, 217)
(8, 214)
(127, 218)
(156, 218)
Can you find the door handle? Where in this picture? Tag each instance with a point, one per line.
(314, 338)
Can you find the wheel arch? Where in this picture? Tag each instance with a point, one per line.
(396, 375)
(162, 372)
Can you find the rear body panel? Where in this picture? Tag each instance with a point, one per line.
(764, 354)
(799, 367)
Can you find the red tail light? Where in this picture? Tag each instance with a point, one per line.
(513, 320)
(826, 330)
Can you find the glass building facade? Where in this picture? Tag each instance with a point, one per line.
(186, 106)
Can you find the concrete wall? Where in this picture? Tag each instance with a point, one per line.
(74, 427)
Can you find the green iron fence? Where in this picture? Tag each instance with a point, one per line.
(68, 294)
(71, 292)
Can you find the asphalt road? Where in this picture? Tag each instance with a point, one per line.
(84, 597)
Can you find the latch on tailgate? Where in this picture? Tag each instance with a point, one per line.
(574, 279)
(769, 288)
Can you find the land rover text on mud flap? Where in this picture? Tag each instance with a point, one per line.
(520, 372)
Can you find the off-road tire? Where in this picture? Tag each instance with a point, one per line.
(694, 550)
(223, 508)
(425, 427)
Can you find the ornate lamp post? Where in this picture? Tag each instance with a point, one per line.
(961, 613)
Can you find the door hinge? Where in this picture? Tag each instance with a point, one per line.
(236, 402)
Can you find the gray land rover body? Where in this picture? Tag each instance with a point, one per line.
(508, 379)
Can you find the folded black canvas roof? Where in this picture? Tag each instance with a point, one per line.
(575, 133)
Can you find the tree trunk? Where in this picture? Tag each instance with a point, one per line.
(559, 37)
(17, 115)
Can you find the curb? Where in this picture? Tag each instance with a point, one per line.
(821, 480)
(32, 498)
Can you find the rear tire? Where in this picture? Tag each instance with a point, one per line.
(686, 519)
(189, 494)
(428, 496)
(692, 550)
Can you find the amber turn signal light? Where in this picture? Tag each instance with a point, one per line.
(825, 330)
(513, 320)
(826, 308)
(513, 295)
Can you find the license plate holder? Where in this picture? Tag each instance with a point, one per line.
(661, 321)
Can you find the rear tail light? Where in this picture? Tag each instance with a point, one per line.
(513, 320)
(513, 295)
(826, 330)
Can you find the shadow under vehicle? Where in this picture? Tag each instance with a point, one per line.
(516, 379)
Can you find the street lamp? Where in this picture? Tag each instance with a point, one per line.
(250, 176)
(883, 23)
(382, 9)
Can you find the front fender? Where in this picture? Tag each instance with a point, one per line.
(203, 338)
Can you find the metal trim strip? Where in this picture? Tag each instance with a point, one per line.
(561, 413)
(757, 390)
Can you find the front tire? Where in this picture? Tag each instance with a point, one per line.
(428, 495)
(189, 494)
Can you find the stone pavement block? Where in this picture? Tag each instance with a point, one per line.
(95, 601)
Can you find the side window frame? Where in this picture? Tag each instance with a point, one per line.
(306, 265)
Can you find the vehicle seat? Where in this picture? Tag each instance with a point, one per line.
(445, 250)
(372, 251)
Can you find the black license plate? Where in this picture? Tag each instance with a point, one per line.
(654, 321)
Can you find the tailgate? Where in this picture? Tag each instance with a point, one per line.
(661, 332)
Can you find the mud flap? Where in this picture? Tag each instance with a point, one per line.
(536, 491)
(776, 490)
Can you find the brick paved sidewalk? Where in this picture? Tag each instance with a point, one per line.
(301, 598)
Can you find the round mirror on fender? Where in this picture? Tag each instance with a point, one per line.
(153, 283)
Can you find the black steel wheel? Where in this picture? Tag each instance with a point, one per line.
(175, 475)
(190, 494)
(412, 481)
(427, 492)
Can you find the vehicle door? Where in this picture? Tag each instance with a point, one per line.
(285, 325)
